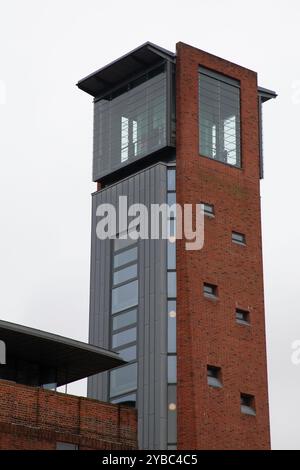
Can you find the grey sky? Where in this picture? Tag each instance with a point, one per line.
(46, 155)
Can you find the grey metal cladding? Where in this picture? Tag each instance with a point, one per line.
(147, 187)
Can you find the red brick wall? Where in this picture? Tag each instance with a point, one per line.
(207, 331)
(34, 418)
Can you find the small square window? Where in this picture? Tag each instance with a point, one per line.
(247, 404)
(214, 376)
(210, 290)
(239, 238)
(242, 316)
(208, 209)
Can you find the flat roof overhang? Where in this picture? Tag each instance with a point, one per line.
(266, 94)
(129, 65)
(133, 63)
(72, 359)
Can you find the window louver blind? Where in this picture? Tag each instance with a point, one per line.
(219, 106)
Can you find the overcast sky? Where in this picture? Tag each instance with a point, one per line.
(46, 155)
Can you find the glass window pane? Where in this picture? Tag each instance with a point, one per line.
(171, 198)
(172, 414)
(210, 290)
(238, 238)
(125, 319)
(124, 296)
(128, 354)
(172, 284)
(171, 253)
(128, 400)
(120, 243)
(124, 138)
(124, 337)
(214, 376)
(125, 274)
(242, 316)
(219, 104)
(171, 326)
(130, 122)
(125, 257)
(172, 369)
(172, 228)
(208, 209)
(123, 380)
(66, 446)
(171, 175)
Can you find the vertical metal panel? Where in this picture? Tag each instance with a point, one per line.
(147, 187)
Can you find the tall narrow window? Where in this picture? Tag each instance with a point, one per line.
(171, 312)
(124, 139)
(219, 104)
(124, 317)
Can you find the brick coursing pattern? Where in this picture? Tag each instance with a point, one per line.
(34, 418)
(207, 332)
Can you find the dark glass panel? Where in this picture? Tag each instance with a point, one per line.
(123, 380)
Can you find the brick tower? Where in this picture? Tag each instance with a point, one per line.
(182, 127)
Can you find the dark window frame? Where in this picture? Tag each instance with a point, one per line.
(116, 400)
(123, 330)
(245, 313)
(131, 390)
(122, 348)
(171, 298)
(207, 212)
(113, 315)
(236, 234)
(120, 252)
(119, 314)
(120, 268)
(211, 295)
(214, 376)
(247, 404)
(222, 81)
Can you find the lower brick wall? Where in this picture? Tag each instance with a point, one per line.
(34, 418)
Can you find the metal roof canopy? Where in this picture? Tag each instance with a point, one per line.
(266, 94)
(72, 359)
(130, 64)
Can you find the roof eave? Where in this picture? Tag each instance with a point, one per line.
(266, 94)
(89, 83)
